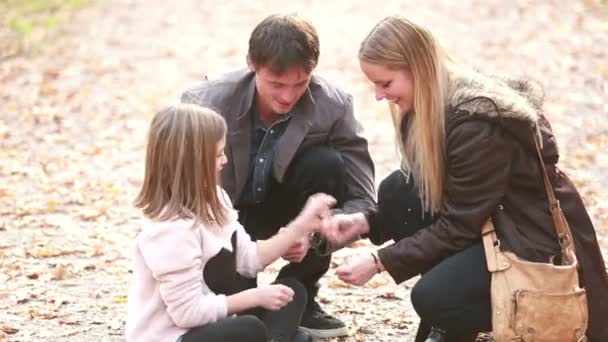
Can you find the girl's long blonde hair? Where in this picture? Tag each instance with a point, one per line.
(180, 180)
(399, 44)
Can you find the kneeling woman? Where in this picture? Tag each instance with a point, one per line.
(468, 155)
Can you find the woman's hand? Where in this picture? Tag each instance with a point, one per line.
(341, 229)
(359, 270)
(273, 297)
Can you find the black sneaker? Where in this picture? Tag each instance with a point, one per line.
(436, 335)
(320, 324)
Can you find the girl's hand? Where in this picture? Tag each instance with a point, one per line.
(298, 250)
(315, 211)
(358, 270)
(273, 297)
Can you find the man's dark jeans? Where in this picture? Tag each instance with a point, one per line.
(316, 169)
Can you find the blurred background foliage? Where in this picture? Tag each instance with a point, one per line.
(30, 25)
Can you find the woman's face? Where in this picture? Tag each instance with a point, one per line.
(394, 85)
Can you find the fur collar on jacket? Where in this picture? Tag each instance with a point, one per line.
(515, 103)
(519, 99)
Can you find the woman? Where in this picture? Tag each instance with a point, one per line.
(468, 155)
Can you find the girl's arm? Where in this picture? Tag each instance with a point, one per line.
(308, 221)
(172, 253)
(252, 257)
(242, 301)
(271, 297)
(270, 250)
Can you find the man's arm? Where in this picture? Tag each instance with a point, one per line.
(346, 137)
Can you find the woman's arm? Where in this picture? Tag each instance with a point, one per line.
(478, 161)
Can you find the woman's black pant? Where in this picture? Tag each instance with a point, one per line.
(256, 325)
(454, 295)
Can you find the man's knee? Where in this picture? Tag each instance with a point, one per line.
(317, 169)
(300, 296)
(318, 161)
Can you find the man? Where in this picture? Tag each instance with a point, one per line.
(290, 134)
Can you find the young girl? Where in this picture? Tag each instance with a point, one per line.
(192, 256)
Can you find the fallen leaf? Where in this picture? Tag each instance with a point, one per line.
(32, 314)
(76, 332)
(70, 284)
(60, 272)
(324, 300)
(98, 251)
(8, 329)
(48, 253)
(120, 299)
(401, 324)
(52, 205)
(59, 303)
(115, 255)
(92, 214)
(50, 73)
(90, 267)
(47, 315)
(336, 283)
(389, 295)
(366, 331)
(376, 282)
(65, 322)
(47, 89)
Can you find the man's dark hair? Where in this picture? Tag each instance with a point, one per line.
(280, 42)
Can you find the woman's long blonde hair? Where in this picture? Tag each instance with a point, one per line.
(399, 44)
(180, 180)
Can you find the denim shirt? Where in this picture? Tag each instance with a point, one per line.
(263, 146)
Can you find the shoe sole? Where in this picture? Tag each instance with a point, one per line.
(325, 333)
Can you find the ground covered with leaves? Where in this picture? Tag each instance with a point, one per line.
(74, 116)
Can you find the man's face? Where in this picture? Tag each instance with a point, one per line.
(279, 93)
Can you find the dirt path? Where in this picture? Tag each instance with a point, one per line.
(72, 129)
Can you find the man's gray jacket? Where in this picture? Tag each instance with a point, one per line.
(323, 116)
